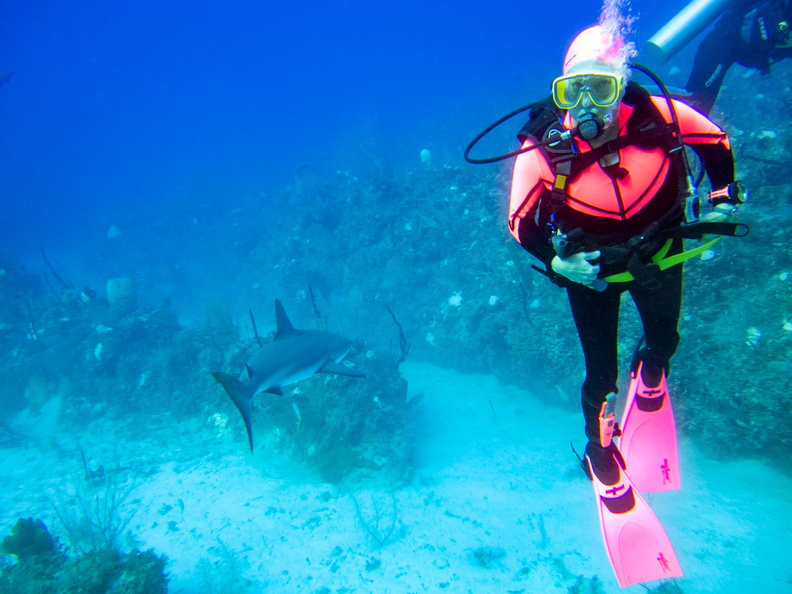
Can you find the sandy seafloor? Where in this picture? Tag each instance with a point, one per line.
(499, 475)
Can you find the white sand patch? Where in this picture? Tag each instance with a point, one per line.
(493, 472)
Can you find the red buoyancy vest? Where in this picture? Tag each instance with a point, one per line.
(593, 191)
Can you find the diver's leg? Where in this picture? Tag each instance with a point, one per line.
(596, 317)
(648, 439)
(659, 309)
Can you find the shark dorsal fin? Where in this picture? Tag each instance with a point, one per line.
(285, 327)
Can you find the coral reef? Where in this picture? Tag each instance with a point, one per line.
(42, 565)
(428, 249)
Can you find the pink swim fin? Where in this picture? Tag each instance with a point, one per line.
(636, 542)
(648, 439)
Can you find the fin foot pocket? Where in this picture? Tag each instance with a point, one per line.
(606, 463)
(649, 438)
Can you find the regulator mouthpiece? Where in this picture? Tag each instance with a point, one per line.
(590, 128)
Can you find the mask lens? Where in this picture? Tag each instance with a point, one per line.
(566, 91)
(603, 89)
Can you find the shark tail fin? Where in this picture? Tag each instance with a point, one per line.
(241, 396)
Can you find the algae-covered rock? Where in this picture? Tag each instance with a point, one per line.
(29, 538)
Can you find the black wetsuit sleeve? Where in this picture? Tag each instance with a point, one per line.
(718, 162)
(534, 241)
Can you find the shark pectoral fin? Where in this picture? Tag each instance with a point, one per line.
(249, 370)
(274, 390)
(340, 369)
(241, 396)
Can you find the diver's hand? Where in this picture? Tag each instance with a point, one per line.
(578, 267)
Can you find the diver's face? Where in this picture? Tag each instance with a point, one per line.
(585, 109)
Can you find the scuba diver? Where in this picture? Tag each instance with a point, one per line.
(753, 33)
(602, 195)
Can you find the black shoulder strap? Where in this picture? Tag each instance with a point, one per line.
(546, 118)
(543, 114)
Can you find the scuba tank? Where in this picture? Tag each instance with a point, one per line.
(681, 30)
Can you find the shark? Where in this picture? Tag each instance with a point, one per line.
(293, 355)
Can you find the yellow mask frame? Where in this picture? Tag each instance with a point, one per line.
(603, 89)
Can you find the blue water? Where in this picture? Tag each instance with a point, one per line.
(115, 109)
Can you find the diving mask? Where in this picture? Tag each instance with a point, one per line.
(604, 90)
